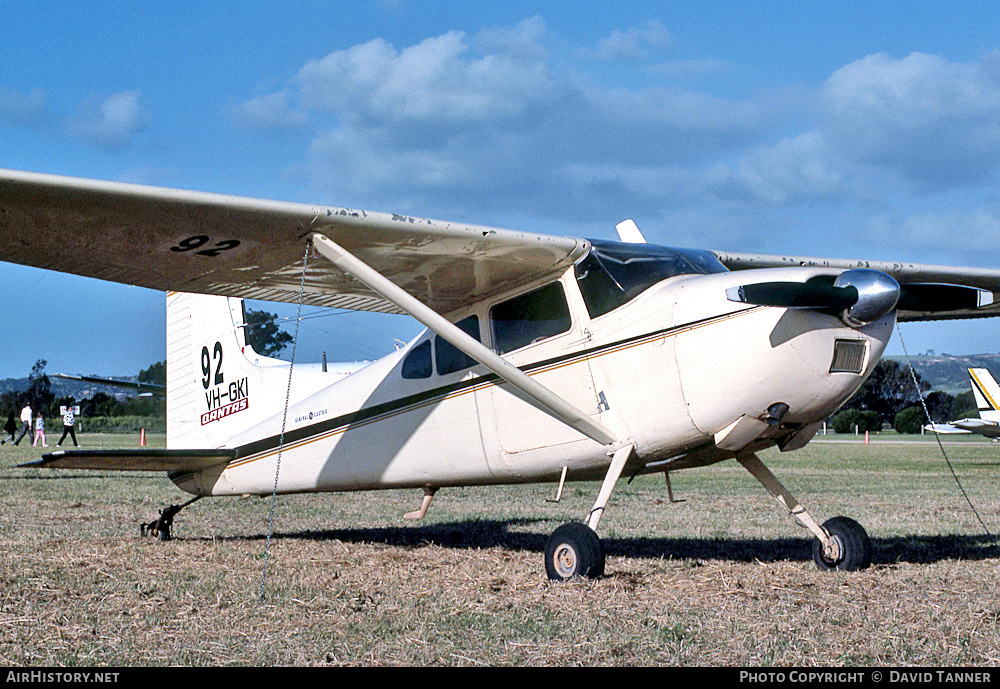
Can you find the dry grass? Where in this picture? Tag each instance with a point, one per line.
(723, 578)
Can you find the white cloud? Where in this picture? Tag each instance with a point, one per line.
(792, 169)
(637, 43)
(271, 111)
(435, 80)
(934, 122)
(20, 108)
(490, 126)
(457, 119)
(111, 123)
(953, 231)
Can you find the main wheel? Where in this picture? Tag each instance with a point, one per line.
(855, 546)
(574, 550)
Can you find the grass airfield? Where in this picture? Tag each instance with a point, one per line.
(724, 577)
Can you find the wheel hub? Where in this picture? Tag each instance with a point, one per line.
(565, 560)
(833, 549)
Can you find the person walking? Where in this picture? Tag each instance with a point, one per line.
(39, 430)
(69, 418)
(25, 423)
(10, 428)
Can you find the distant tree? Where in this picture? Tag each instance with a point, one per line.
(888, 390)
(845, 420)
(39, 393)
(910, 420)
(940, 405)
(964, 406)
(156, 373)
(854, 420)
(11, 401)
(263, 334)
(100, 404)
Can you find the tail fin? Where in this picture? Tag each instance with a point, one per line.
(987, 394)
(217, 386)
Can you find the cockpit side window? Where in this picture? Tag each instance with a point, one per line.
(614, 273)
(417, 364)
(448, 357)
(530, 317)
(600, 291)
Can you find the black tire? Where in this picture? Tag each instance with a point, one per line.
(574, 550)
(855, 546)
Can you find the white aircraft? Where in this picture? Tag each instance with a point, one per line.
(140, 388)
(545, 359)
(987, 394)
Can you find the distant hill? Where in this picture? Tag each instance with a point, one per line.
(62, 387)
(951, 373)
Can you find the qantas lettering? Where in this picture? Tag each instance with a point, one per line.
(224, 411)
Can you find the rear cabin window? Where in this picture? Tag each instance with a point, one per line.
(530, 317)
(447, 356)
(417, 364)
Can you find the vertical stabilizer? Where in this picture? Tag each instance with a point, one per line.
(217, 386)
(986, 392)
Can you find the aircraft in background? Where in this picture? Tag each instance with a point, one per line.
(545, 359)
(987, 394)
(140, 388)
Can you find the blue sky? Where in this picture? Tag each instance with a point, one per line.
(848, 129)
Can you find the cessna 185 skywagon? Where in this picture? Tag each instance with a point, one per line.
(545, 359)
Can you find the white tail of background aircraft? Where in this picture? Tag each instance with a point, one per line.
(987, 394)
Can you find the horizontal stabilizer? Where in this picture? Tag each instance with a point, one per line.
(133, 460)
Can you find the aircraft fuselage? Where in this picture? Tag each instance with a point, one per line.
(680, 371)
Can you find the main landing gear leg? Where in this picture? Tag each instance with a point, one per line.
(841, 543)
(574, 549)
(160, 528)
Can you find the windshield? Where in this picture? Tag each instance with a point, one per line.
(614, 273)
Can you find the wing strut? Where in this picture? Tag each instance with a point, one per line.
(537, 394)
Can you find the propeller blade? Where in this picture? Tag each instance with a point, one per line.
(925, 297)
(802, 295)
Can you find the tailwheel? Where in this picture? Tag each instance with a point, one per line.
(160, 528)
(852, 542)
(574, 550)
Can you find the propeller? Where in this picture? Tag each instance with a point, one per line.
(859, 296)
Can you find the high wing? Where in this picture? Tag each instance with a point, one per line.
(167, 240)
(944, 291)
